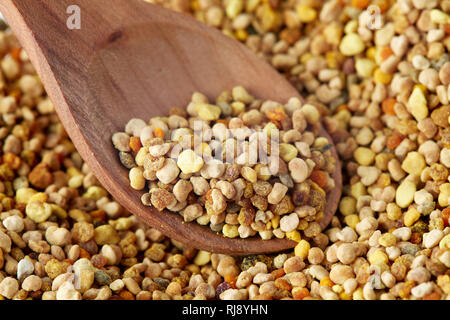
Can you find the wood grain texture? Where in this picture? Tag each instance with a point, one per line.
(134, 59)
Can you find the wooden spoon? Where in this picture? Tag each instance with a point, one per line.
(134, 59)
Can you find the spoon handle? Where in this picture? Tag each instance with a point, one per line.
(45, 28)
(60, 38)
(55, 51)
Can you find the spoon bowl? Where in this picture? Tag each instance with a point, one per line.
(133, 59)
